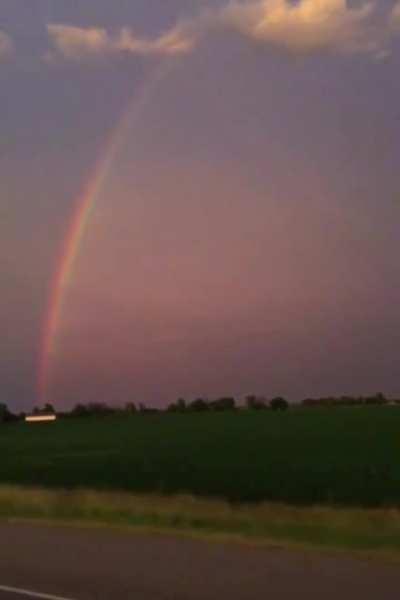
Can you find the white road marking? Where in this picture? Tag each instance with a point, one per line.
(30, 593)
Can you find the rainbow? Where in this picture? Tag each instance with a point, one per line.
(72, 242)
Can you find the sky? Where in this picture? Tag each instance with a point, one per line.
(244, 234)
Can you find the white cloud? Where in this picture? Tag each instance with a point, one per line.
(179, 40)
(299, 27)
(6, 45)
(76, 43)
(305, 27)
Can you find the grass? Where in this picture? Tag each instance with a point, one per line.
(343, 456)
(372, 531)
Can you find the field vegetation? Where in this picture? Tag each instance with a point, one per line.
(319, 456)
(375, 531)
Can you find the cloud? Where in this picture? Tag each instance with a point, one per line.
(308, 26)
(76, 43)
(301, 27)
(6, 45)
(395, 17)
(179, 40)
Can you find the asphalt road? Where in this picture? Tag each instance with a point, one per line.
(60, 563)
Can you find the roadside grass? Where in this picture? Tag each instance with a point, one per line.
(350, 529)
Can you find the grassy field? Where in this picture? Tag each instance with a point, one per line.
(342, 456)
(375, 531)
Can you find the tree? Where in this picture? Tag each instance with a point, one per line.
(80, 410)
(100, 409)
(279, 404)
(199, 405)
(181, 405)
(6, 416)
(48, 409)
(178, 406)
(3, 412)
(377, 399)
(254, 403)
(130, 408)
(225, 403)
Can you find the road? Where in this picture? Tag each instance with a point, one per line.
(61, 563)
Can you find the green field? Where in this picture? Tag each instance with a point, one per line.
(342, 456)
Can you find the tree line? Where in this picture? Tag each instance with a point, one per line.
(375, 400)
(200, 405)
(225, 403)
